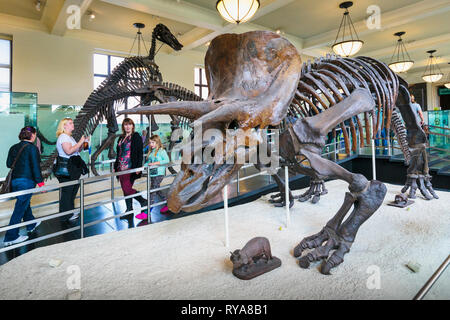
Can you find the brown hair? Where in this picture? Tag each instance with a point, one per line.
(124, 122)
(159, 145)
(26, 133)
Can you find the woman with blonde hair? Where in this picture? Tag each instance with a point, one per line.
(64, 171)
(156, 156)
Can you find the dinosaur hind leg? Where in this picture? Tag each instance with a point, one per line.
(365, 197)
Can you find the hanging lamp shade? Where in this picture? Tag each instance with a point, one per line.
(346, 43)
(447, 83)
(400, 60)
(432, 72)
(237, 11)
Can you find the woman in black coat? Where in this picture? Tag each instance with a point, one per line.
(130, 155)
(26, 175)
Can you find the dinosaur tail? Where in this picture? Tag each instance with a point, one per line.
(400, 132)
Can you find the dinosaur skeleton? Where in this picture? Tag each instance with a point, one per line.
(256, 80)
(134, 77)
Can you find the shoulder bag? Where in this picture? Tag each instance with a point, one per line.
(6, 185)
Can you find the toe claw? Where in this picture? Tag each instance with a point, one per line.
(325, 268)
(315, 199)
(304, 263)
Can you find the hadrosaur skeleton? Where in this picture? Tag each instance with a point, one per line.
(134, 77)
(256, 80)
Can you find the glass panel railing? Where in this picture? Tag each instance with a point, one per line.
(439, 137)
(438, 122)
(17, 109)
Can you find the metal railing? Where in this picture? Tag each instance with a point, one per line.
(426, 288)
(81, 209)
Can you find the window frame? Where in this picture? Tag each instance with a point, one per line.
(107, 75)
(201, 85)
(10, 66)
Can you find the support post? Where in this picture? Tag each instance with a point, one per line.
(82, 207)
(432, 280)
(286, 192)
(374, 170)
(389, 146)
(149, 186)
(225, 206)
(112, 187)
(237, 181)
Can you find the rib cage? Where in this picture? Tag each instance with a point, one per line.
(327, 81)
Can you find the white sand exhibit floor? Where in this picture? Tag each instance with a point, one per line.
(186, 258)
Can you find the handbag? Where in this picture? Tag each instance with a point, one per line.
(61, 169)
(6, 185)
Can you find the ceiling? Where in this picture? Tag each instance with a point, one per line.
(310, 25)
(21, 8)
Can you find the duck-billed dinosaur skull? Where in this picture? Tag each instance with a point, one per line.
(252, 78)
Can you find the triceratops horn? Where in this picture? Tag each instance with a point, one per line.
(226, 112)
(188, 109)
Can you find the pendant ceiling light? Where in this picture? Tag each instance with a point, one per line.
(139, 38)
(350, 44)
(400, 60)
(447, 84)
(237, 11)
(432, 72)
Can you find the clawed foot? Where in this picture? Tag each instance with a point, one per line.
(278, 200)
(316, 189)
(322, 243)
(423, 182)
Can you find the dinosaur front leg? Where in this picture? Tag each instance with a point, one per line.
(316, 189)
(279, 199)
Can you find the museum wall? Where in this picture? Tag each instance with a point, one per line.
(60, 69)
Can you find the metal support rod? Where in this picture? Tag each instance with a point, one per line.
(286, 192)
(237, 183)
(389, 146)
(336, 148)
(422, 292)
(112, 187)
(82, 207)
(374, 170)
(225, 206)
(149, 185)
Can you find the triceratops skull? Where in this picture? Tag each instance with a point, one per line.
(252, 78)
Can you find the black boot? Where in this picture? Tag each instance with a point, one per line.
(129, 203)
(142, 201)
